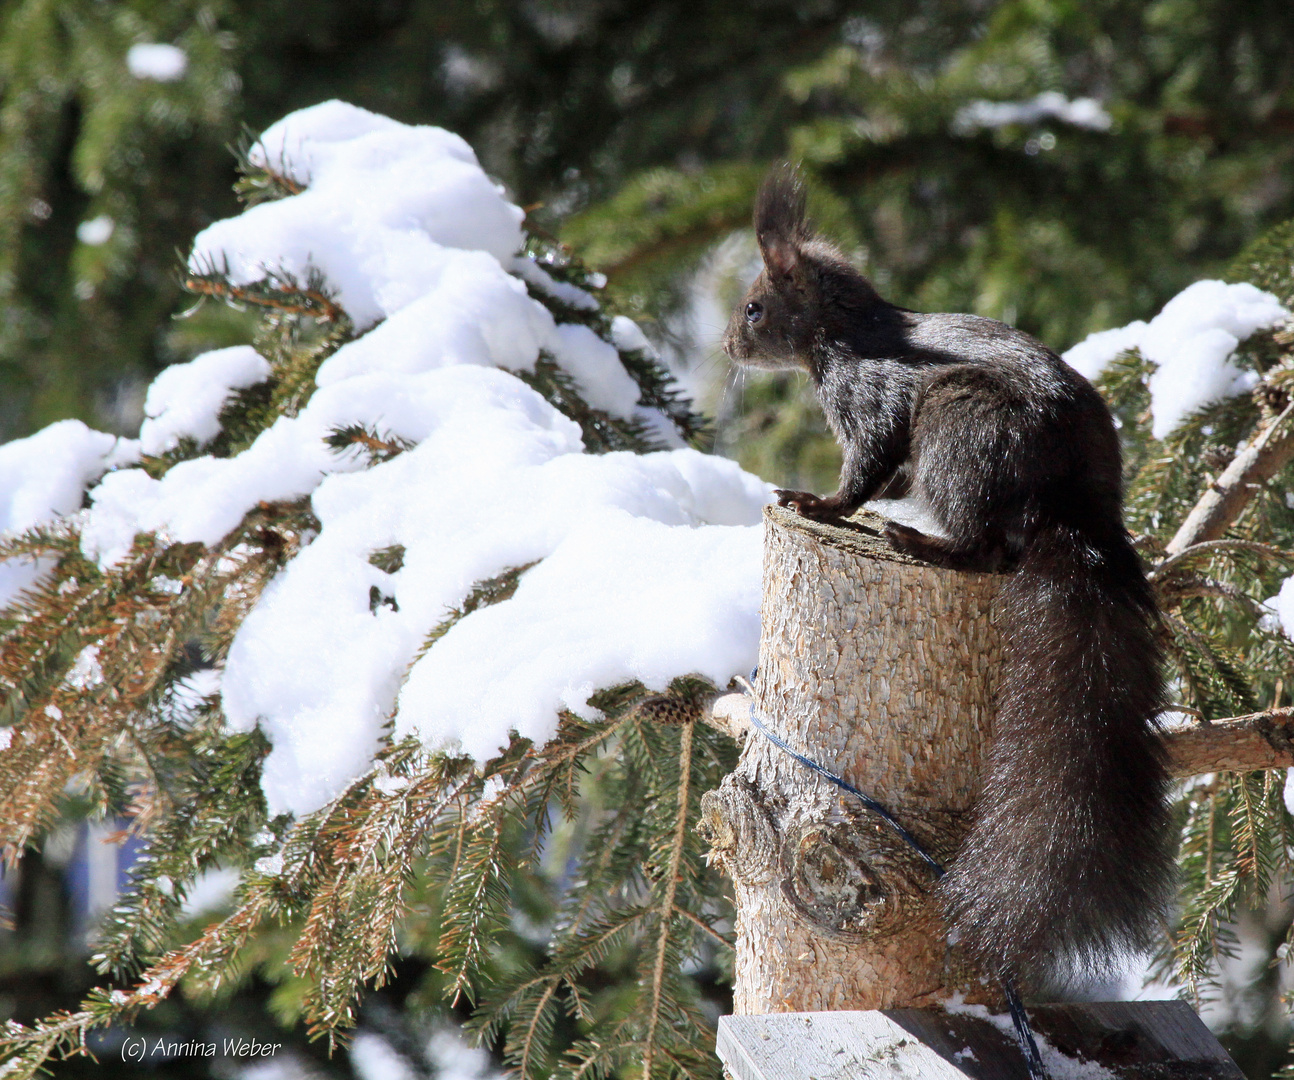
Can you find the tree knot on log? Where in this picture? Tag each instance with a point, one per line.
(842, 872)
(740, 831)
(851, 878)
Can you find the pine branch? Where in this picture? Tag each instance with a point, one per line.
(1208, 548)
(1185, 586)
(376, 446)
(258, 183)
(278, 290)
(221, 806)
(667, 901)
(63, 1034)
(476, 900)
(359, 857)
(704, 928)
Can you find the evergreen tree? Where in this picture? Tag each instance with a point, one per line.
(108, 173)
(1059, 227)
(105, 174)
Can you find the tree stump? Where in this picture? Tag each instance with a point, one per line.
(882, 669)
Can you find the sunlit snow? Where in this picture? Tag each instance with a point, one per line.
(160, 63)
(647, 566)
(96, 231)
(1190, 342)
(1049, 105)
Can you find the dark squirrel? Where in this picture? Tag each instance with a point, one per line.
(1069, 861)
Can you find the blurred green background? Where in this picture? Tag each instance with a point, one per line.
(637, 131)
(1064, 165)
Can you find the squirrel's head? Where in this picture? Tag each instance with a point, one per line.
(806, 295)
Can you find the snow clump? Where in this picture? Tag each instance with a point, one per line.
(1280, 610)
(43, 477)
(1191, 343)
(96, 231)
(160, 63)
(389, 213)
(1081, 112)
(641, 566)
(185, 400)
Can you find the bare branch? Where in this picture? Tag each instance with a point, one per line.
(1180, 588)
(1252, 467)
(1263, 740)
(1213, 547)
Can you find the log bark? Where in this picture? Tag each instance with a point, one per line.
(882, 669)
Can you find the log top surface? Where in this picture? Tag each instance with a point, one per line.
(860, 533)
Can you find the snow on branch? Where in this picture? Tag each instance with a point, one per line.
(1191, 342)
(494, 378)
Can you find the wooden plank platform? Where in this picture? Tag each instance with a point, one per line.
(1130, 1040)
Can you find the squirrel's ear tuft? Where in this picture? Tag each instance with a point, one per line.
(779, 220)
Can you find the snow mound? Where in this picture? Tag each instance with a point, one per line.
(381, 202)
(1191, 342)
(642, 566)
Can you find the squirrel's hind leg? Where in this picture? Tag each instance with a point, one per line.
(990, 557)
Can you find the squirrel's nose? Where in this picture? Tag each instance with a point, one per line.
(732, 344)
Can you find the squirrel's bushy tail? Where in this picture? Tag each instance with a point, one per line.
(1069, 862)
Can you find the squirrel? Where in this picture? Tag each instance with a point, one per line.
(1068, 864)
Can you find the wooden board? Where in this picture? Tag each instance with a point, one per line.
(1131, 1040)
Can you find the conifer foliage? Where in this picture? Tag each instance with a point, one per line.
(410, 611)
(365, 834)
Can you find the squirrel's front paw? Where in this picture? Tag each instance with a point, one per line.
(807, 505)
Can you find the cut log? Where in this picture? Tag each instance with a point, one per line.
(882, 669)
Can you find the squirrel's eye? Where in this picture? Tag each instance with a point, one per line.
(754, 312)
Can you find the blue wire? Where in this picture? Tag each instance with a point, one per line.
(862, 797)
(1019, 1018)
